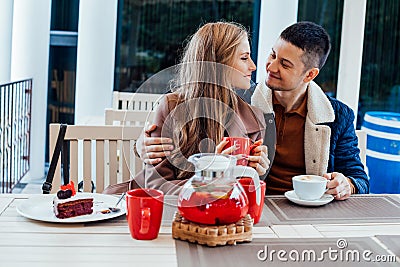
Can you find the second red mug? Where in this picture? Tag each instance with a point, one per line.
(255, 210)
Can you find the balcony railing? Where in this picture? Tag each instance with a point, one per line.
(15, 128)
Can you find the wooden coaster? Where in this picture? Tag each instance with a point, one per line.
(210, 235)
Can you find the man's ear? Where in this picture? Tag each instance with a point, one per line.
(310, 75)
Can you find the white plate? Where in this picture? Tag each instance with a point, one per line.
(40, 207)
(325, 199)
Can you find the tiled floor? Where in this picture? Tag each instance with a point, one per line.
(29, 186)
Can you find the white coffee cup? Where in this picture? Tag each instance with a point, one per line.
(309, 187)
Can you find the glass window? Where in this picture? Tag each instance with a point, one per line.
(380, 76)
(151, 34)
(62, 63)
(61, 88)
(328, 14)
(61, 94)
(64, 15)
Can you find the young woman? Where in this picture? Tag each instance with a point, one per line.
(203, 107)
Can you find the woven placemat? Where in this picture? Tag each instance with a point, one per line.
(392, 242)
(296, 252)
(356, 209)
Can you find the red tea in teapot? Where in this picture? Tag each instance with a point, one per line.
(212, 195)
(213, 204)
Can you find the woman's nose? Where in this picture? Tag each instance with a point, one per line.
(252, 66)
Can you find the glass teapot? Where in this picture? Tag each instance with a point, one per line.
(213, 196)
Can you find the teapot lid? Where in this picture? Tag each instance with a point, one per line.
(212, 165)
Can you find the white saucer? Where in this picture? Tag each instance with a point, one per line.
(325, 199)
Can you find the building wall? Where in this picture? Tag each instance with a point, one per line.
(24, 50)
(273, 19)
(6, 18)
(29, 59)
(95, 59)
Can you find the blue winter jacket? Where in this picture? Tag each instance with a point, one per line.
(344, 153)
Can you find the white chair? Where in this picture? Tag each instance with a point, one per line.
(107, 142)
(362, 145)
(128, 117)
(135, 101)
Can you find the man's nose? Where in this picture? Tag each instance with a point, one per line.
(271, 65)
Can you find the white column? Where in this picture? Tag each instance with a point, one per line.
(29, 59)
(6, 16)
(351, 51)
(96, 56)
(275, 16)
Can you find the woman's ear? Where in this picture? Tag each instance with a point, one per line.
(310, 75)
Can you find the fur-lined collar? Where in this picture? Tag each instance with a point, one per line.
(319, 108)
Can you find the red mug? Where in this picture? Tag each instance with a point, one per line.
(244, 147)
(255, 210)
(144, 212)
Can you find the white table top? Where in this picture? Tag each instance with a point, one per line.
(25, 242)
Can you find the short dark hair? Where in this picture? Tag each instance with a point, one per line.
(312, 39)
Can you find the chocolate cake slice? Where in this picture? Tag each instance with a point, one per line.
(66, 206)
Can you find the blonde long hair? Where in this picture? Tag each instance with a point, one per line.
(204, 76)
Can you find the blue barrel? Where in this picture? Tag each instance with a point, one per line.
(383, 150)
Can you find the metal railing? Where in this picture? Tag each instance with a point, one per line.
(15, 128)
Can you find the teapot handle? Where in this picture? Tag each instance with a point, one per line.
(244, 171)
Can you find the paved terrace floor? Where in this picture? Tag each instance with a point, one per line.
(29, 186)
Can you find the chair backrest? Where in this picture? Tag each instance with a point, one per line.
(135, 101)
(128, 117)
(113, 160)
(362, 145)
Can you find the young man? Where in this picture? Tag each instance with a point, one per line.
(314, 133)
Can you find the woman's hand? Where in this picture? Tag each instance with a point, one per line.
(220, 147)
(258, 158)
